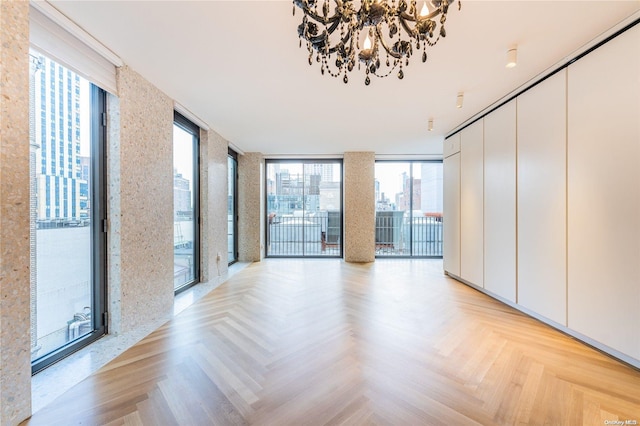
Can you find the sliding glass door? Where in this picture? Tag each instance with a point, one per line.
(408, 208)
(304, 208)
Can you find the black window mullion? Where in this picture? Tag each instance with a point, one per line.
(304, 208)
(411, 208)
(233, 157)
(99, 206)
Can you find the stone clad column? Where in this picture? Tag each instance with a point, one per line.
(15, 354)
(140, 191)
(359, 207)
(213, 195)
(250, 207)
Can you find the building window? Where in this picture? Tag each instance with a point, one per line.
(304, 208)
(186, 209)
(232, 207)
(408, 208)
(68, 244)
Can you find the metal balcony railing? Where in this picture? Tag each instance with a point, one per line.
(398, 234)
(304, 235)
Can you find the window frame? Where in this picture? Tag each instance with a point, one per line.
(303, 162)
(411, 164)
(190, 127)
(236, 217)
(98, 235)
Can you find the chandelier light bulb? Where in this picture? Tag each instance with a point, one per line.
(512, 57)
(367, 43)
(425, 9)
(459, 100)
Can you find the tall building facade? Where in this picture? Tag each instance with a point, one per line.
(431, 188)
(325, 171)
(181, 196)
(57, 132)
(407, 198)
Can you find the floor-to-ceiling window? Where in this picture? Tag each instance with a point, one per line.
(186, 138)
(408, 208)
(232, 207)
(304, 208)
(67, 262)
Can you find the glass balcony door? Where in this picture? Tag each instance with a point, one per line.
(304, 208)
(408, 208)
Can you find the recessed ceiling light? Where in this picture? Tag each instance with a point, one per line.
(512, 57)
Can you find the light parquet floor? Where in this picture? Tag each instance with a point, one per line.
(314, 342)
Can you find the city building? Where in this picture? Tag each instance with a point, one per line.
(411, 194)
(61, 189)
(181, 196)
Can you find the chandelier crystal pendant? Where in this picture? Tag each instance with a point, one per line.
(332, 30)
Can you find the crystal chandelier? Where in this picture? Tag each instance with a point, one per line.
(331, 30)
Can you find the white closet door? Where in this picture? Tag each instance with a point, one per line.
(471, 204)
(451, 216)
(604, 194)
(542, 236)
(500, 201)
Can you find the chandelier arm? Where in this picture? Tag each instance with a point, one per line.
(319, 38)
(410, 31)
(386, 47)
(318, 18)
(412, 18)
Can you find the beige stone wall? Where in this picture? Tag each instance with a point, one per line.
(250, 207)
(359, 207)
(140, 204)
(213, 202)
(15, 356)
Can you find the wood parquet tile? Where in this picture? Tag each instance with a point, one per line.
(323, 342)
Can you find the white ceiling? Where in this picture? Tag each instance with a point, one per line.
(237, 66)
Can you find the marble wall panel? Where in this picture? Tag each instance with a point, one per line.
(141, 204)
(250, 207)
(15, 337)
(214, 188)
(359, 207)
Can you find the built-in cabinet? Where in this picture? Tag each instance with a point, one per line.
(547, 195)
(500, 202)
(451, 200)
(471, 204)
(542, 201)
(604, 194)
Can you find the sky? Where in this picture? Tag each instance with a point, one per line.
(183, 152)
